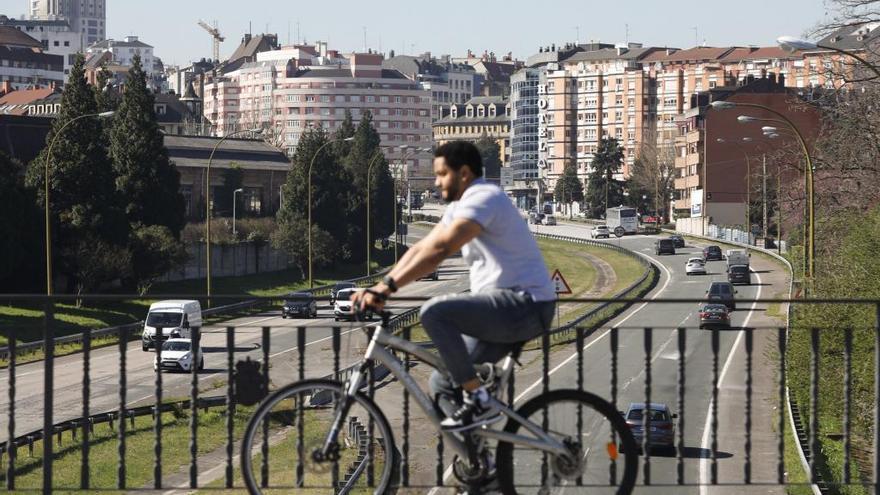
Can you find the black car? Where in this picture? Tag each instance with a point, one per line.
(739, 274)
(301, 304)
(664, 246)
(677, 240)
(712, 253)
(723, 292)
(338, 286)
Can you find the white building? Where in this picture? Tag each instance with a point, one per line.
(23, 63)
(86, 17)
(124, 51)
(56, 37)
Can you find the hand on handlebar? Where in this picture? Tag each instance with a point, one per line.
(368, 299)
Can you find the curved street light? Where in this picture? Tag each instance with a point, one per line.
(792, 43)
(46, 192)
(810, 247)
(309, 188)
(208, 202)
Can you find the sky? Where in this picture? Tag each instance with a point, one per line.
(453, 26)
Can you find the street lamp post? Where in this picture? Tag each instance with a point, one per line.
(208, 203)
(239, 190)
(309, 188)
(810, 248)
(46, 192)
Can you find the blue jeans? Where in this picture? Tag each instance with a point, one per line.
(480, 328)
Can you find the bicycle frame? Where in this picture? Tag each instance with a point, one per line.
(378, 350)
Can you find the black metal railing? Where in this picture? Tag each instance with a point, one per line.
(730, 389)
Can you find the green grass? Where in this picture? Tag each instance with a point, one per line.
(139, 457)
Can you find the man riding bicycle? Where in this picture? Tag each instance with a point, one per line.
(512, 297)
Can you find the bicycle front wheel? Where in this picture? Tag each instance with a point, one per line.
(282, 447)
(592, 431)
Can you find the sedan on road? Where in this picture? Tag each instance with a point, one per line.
(714, 315)
(677, 240)
(549, 220)
(695, 266)
(177, 356)
(338, 286)
(662, 428)
(301, 304)
(712, 253)
(600, 231)
(342, 308)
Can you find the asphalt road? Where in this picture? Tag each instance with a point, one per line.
(105, 362)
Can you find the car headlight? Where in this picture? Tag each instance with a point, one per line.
(186, 356)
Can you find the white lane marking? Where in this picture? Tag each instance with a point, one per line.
(704, 443)
(448, 472)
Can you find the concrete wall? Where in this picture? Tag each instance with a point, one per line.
(229, 260)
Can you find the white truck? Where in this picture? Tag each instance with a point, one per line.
(737, 257)
(176, 318)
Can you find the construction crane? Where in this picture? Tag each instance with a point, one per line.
(215, 33)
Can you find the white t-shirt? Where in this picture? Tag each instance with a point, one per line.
(504, 255)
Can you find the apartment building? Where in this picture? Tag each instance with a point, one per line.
(23, 63)
(56, 36)
(448, 82)
(295, 88)
(88, 18)
(483, 116)
(123, 51)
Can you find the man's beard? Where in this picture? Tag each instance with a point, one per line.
(451, 193)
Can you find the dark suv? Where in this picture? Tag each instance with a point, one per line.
(300, 304)
(723, 292)
(712, 253)
(739, 274)
(664, 246)
(677, 240)
(338, 287)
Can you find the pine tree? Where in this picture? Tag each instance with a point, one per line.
(603, 191)
(145, 176)
(83, 201)
(21, 232)
(490, 152)
(569, 188)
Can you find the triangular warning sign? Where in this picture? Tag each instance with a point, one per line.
(559, 283)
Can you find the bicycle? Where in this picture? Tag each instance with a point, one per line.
(336, 426)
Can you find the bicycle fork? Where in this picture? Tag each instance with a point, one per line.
(331, 445)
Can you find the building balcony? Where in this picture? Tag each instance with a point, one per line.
(687, 182)
(694, 137)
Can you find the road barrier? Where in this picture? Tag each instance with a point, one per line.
(618, 363)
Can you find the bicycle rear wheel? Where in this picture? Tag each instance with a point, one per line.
(292, 424)
(592, 430)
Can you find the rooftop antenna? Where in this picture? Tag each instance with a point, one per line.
(288, 31)
(626, 38)
(250, 28)
(298, 39)
(696, 36)
(578, 31)
(365, 39)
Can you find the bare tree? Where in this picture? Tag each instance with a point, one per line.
(653, 172)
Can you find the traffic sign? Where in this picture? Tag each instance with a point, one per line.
(559, 283)
(619, 231)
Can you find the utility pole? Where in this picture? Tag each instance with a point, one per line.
(764, 195)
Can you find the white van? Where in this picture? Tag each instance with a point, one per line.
(737, 257)
(175, 317)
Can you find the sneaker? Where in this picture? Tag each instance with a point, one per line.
(474, 412)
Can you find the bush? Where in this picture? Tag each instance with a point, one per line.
(257, 230)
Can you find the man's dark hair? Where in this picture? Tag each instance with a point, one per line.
(459, 154)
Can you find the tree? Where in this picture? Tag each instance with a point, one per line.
(233, 178)
(569, 188)
(490, 152)
(84, 203)
(21, 233)
(154, 252)
(331, 186)
(290, 238)
(603, 191)
(95, 261)
(145, 177)
(653, 175)
(106, 96)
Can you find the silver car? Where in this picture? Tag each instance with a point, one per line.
(600, 231)
(695, 266)
(661, 424)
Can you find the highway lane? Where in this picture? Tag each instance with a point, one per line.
(663, 318)
(104, 362)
